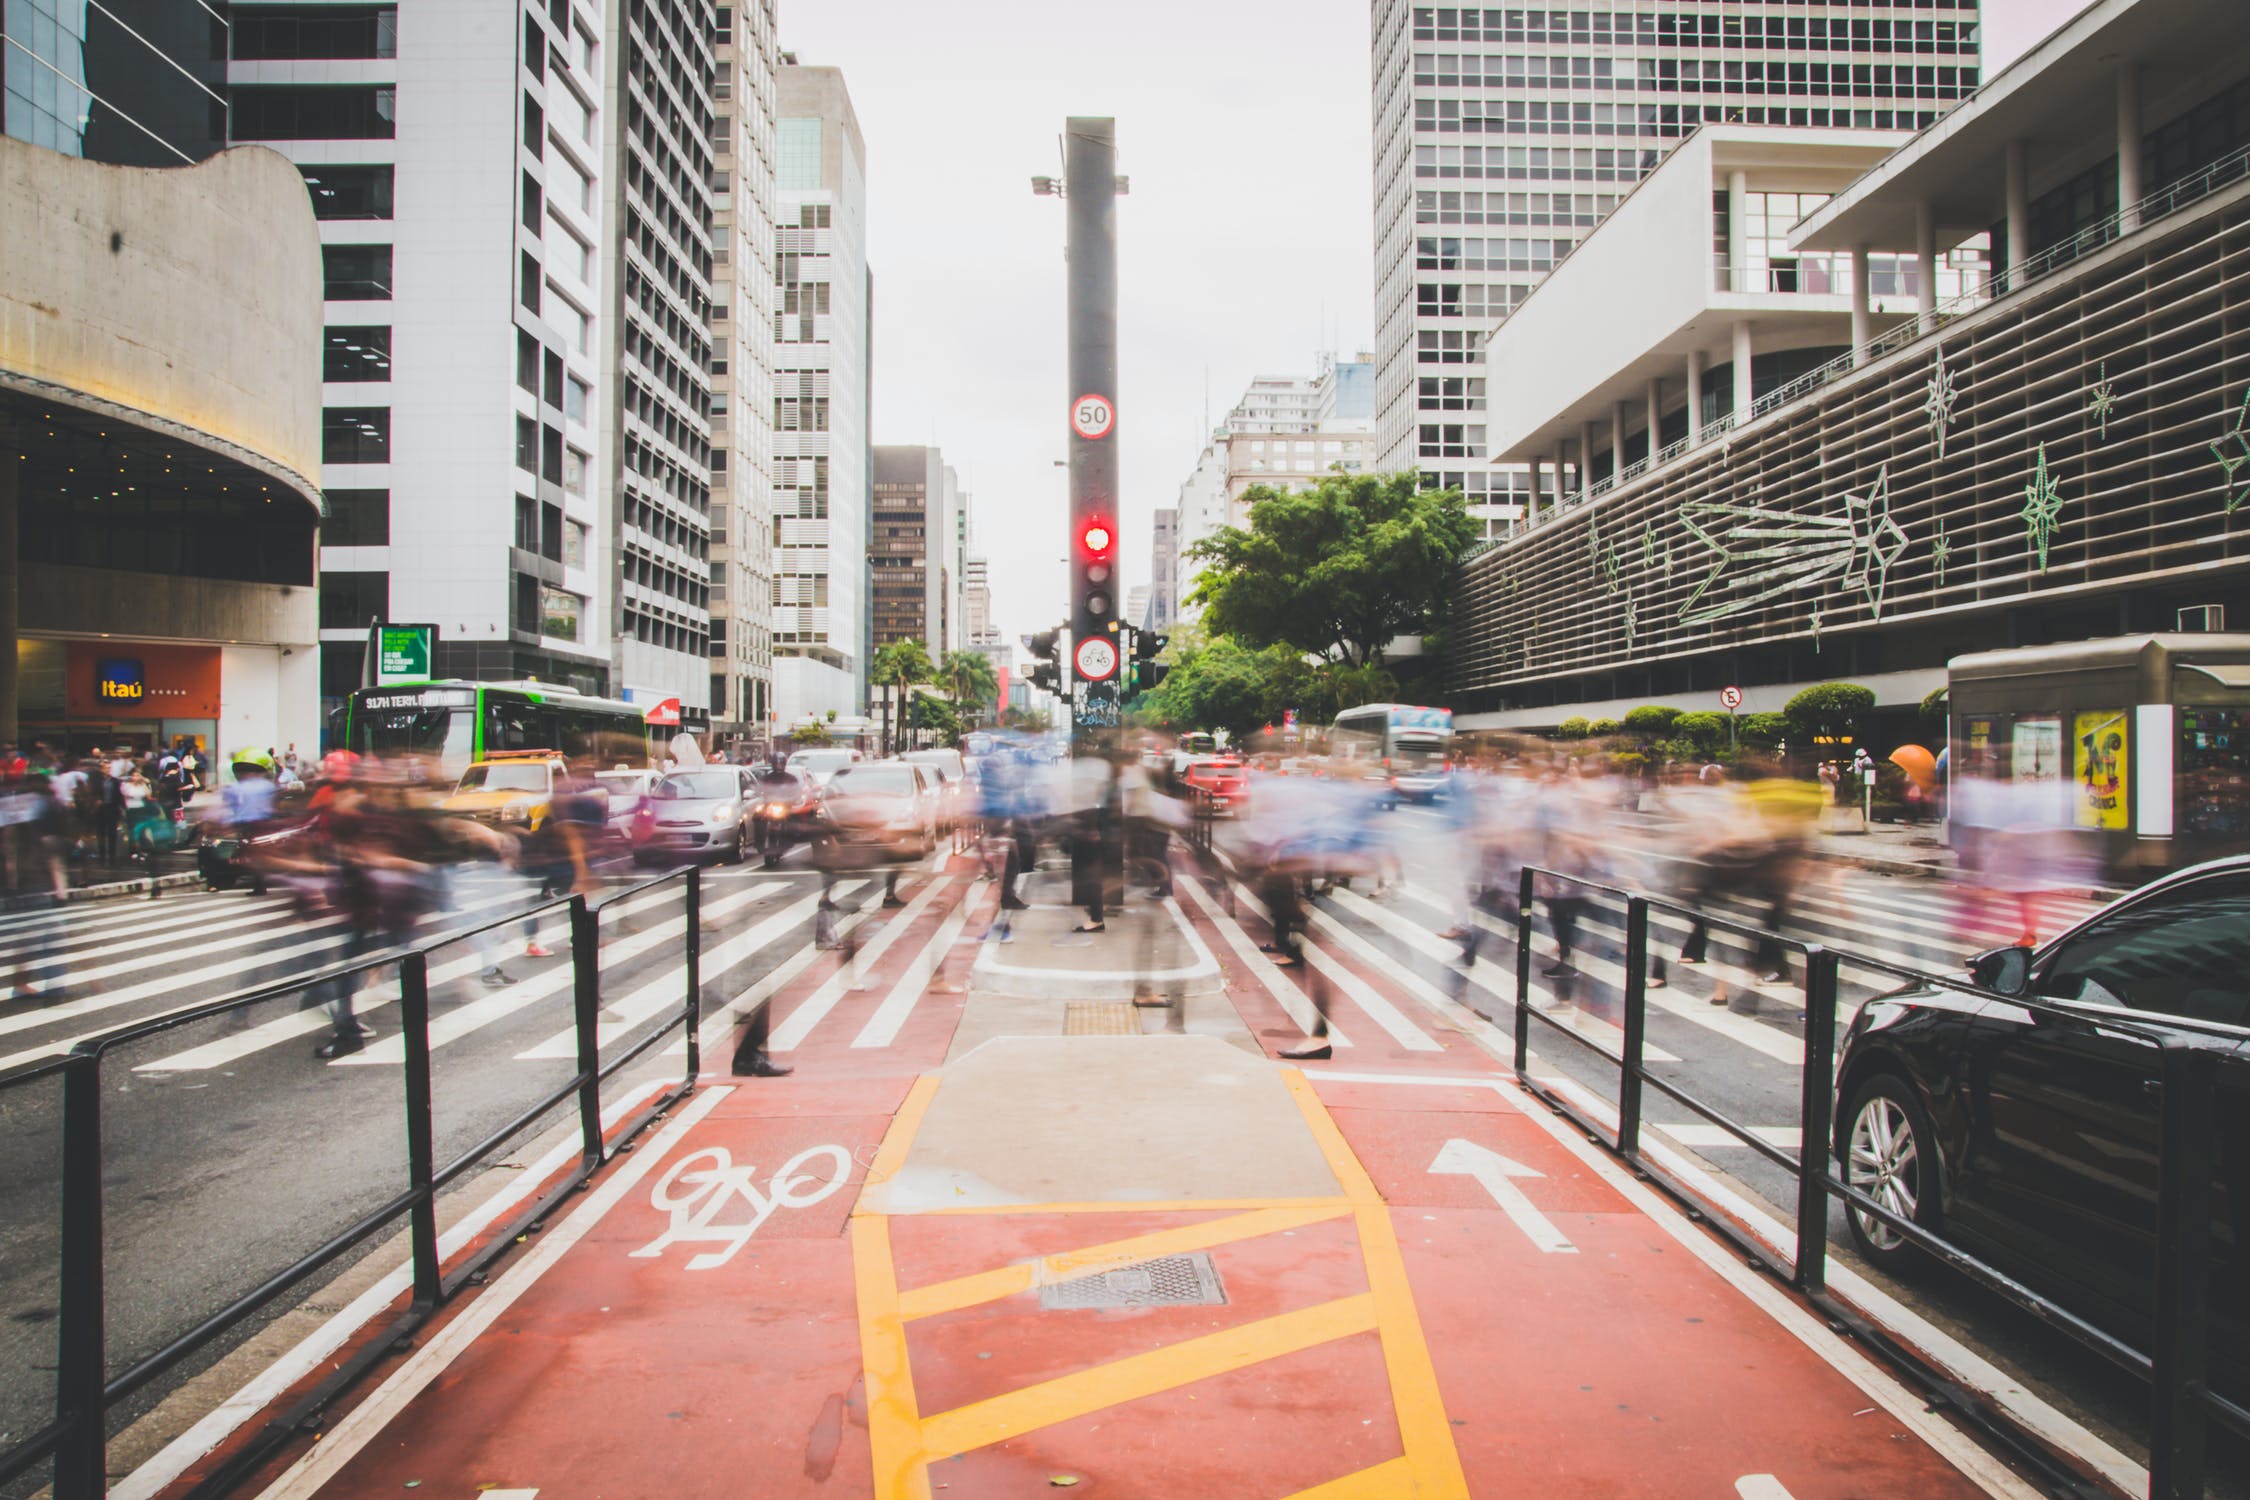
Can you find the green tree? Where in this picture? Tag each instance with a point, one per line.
(900, 665)
(1829, 711)
(1349, 687)
(1028, 720)
(1602, 727)
(939, 715)
(1651, 721)
(1576, 727)
(1703, 731)
(1338, 570)
(1764, 730)
(1936, 703)
(968, 679)
(1215, 686)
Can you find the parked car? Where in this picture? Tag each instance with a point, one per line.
(890, 806)
(1217, 785)
(953, 783)
(512, 788)
(696, 812)
(2031, 1136)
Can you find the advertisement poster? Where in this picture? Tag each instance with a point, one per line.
(2100, 766)
(2038, 750)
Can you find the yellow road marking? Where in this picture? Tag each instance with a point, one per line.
(1423, 1429)
(899, 1139)
(1008, 1281)
(894, 1421)
(999, 1418)
(1385, 1481)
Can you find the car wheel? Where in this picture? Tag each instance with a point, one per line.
(1890, 1155)
(734, 850)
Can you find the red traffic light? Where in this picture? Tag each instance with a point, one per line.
(1096, 537)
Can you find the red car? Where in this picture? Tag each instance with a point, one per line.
(1217, 784)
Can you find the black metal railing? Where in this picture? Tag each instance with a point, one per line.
(2177, 1362)
(77, 1439)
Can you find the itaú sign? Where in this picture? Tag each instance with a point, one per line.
(119, 679)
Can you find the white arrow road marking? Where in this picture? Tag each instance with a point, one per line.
(1496, 1174)
(1760, 1487)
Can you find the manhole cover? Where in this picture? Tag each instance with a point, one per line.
(1167, 1281)
(1100, 1018)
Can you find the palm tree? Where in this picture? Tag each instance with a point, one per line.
(901, 664)
(968, 678)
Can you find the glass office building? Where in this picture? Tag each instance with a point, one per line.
(138, 83)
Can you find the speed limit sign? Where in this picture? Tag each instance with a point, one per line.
(1730, 698)
(1091, 417)
(1096, 658)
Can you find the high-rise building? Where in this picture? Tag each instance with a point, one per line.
(916, 510)
(659, 339)
(1286, 432)
(1164, 570)
(977, 628)
(142, 83)
(1503, 135)
(467, 172)
(742, 381)
(822, 461)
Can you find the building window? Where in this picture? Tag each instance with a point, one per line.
(527, 445)
(356, 354)
(271, 32)
(314, 112)
(355, 273)
(357, 518)
(797, 155)
(348, 192)
(574, 545)
(574, 472)
(348, 601)
(355, 435)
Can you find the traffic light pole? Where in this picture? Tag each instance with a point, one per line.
(1096, 667)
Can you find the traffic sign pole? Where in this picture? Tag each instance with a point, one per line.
(1090, 197)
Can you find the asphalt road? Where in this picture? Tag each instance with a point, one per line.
(230, 1149)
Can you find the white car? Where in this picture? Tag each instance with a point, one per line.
(817, 765)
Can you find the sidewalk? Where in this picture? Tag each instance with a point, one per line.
(1010, 1256)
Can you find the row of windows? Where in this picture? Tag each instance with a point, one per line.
(667, 635)
(348, 192)
(656, 573)
(272, 32)
(355, 435)
(1526, 210)
(356, 518)
(1797, 33)
(1450, 254)
(314, 112)
(354, 354)
(355, 273)
(236, 538)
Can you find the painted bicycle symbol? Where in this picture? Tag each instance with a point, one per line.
(701, 1185)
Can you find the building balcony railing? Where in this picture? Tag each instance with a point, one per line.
(2172, 198)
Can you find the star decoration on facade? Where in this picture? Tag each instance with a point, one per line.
(1877, 541)
(2042, 508)
(1815, 622)
(1938, 404)
(1764, 552)
(1941, 548)
(2233, 451)
(2103, 401)
(1632, 622)
(1648, 543)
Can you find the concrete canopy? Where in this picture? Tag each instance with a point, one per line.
(2059, 99)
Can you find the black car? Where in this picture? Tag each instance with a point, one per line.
(2029, 1135)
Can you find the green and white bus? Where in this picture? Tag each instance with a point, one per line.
(454, 723)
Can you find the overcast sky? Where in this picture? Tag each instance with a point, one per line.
(1244, 248)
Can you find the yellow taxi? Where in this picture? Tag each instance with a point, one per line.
(513, 788)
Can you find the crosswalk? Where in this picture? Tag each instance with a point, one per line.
(129, 962)
(1732, 1037)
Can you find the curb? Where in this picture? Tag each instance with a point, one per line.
(142, 887)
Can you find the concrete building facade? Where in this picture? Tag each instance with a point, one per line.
(2051, 457)
(463, 171)
(660, 333)
(160, 440)
(916, 518)
(742, 375)
(1503, 135)
(822, 457)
